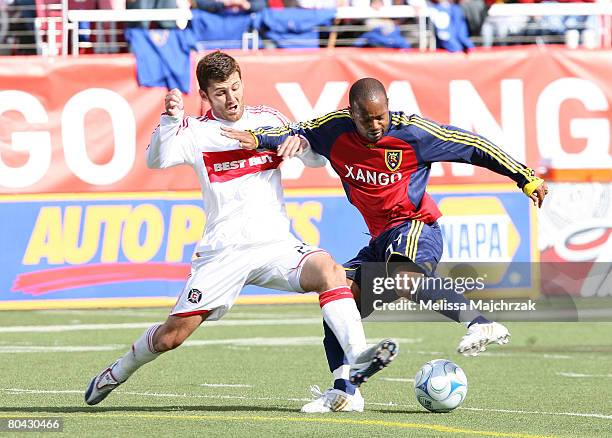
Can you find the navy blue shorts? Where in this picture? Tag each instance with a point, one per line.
(413, 240)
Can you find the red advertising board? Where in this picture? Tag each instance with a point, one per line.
(82, 124)
(84, 219)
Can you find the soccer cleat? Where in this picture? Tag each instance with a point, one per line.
(480, 335)
(333, 400)
(100, 386)
(372, 360)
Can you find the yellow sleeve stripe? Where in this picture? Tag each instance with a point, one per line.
(493, 149)
(326, 118)
(256, 140)
(272, 132)
(277, 132)
(470, 140)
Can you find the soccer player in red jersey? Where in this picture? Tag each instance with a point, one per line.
(383, 159)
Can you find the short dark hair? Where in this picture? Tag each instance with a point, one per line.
(216, 67)
(366, 89)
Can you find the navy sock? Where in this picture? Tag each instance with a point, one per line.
(335, 359)
(479, 320)
(454, 302)
(344, 385)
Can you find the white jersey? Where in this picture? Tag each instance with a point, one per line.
(242, 191)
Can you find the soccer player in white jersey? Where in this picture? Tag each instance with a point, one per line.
(247, 238)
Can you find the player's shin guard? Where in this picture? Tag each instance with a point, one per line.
(337, 361)
(341, 315)
(142, 352)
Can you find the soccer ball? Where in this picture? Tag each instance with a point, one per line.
(440, 385)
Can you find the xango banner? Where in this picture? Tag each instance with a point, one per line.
(88, 133)
(139, 245)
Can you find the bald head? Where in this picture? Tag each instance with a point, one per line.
(369, 109)
(366, 89)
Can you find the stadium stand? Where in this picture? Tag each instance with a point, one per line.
(46, 26)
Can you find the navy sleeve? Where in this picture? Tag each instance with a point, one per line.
(436, 143)
(320, 132)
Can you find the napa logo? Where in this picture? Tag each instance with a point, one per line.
(489, 236)
(477, 229)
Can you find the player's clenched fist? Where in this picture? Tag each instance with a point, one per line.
(539, 194)
(174, 102)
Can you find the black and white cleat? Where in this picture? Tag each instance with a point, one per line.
(372, 360)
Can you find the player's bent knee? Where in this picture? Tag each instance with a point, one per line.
(175, 331)
(325, 274)
(166, 340)
(321, 273)
(339, 275)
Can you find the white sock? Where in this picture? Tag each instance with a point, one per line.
(342, 372)
(142, 352)
(341, 315)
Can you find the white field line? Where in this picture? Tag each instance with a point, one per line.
(17, 391)
(41, 391)
(568, 414)
(105, 312)
(263, 315)
(395, 379)
(277, 342)
(58, 348)
(232, 342)
(225, 385)
(143, 325)
(257, 342)
(579, 375)
(524, 354)
(150, 313)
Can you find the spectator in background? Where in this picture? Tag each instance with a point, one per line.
(230, 6)
(223, 24)
(154, 4)
(501, 30)
(315, 4)
(4, 23)
(475, 12)
(450, 26)
(381, 32)
(20, 22)
(300, 21)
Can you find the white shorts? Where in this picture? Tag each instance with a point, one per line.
(217, 277)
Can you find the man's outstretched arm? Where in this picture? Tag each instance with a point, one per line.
(448, 143)
(291, 146)
(266, 137)
(319, 133)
